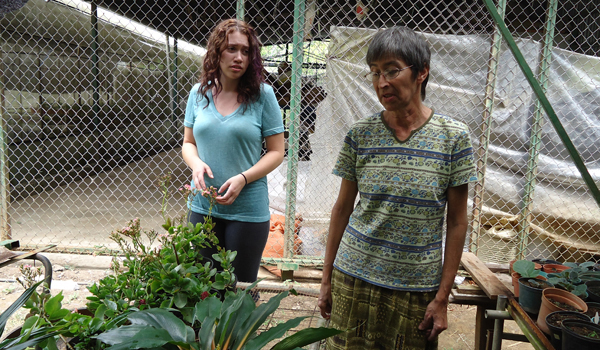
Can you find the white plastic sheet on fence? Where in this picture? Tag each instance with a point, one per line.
(565, 214)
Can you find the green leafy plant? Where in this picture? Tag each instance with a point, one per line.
(570, 281)
(229, 324)
(584, 270)
(526, 268)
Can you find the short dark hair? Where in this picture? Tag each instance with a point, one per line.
(401, 43)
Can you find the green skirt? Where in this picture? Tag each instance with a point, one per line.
(376, 317)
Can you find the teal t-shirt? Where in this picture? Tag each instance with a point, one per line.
(230, 145)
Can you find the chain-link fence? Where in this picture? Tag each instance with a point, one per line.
(93, 98)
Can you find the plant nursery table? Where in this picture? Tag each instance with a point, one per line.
(497, 305)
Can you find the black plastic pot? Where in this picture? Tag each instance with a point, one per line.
(530, 298)
(556, 331)
(592, 308)
(575, 341)
(593, 296)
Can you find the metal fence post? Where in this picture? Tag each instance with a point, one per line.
(486, 127)
(240, 10)
(536, 130)
(4, 171)
(95, 64)
(295, 101)
(175, 91)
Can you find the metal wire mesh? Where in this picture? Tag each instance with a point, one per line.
(93, 98)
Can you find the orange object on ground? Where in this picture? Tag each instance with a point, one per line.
(275, 242)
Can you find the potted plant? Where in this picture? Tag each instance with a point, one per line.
(530, 297)
(554, 322)
(578, 335)
(525, 268)
(554, 299)
(224, 325)
(569, 280)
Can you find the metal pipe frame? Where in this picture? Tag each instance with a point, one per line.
(499, 323)
(536, 131)
(240, 10)
(175, 90)
(95, 64)
(486, 127)
(294, 124)
(4, 171)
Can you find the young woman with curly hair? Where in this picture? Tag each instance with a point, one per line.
(229, 114)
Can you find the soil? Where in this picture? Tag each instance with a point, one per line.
(592, 310)
(595, 290)
(564, 306)
(586, 332)
(72, 282)
(556, 319)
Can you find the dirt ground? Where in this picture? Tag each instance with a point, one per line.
(72, 281)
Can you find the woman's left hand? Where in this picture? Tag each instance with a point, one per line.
(436, 319)
(232, 189)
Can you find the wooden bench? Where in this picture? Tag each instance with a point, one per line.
(493, 288)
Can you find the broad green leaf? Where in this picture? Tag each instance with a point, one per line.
(96, 324)
(155, 285)
(257, 317)
(525, 268)
(239, 331)
(273, 333)
(111, 305)
(305, 337)
(206, 333)
(570, 264)
(180, 300)
(166, 304)
(230, 305)
(163, 319)
(135, 337)
(188, 314)
(57, 315)
(53, 304)
(100, 311)
(51, 344)
(29, 323)
(209, 307)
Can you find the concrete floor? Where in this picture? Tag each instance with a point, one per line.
(82, 214)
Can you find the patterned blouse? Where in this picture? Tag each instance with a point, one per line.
(394, 235)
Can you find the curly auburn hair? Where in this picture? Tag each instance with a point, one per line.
(249, 84)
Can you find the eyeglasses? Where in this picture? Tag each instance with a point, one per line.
(389, 74)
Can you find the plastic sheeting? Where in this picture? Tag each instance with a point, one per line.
(564, 213)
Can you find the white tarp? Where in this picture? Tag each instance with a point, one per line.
(564, 213)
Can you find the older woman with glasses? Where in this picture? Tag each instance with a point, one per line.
(383, 277)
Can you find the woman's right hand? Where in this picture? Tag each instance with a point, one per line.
(198, 175)
(324, 301)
